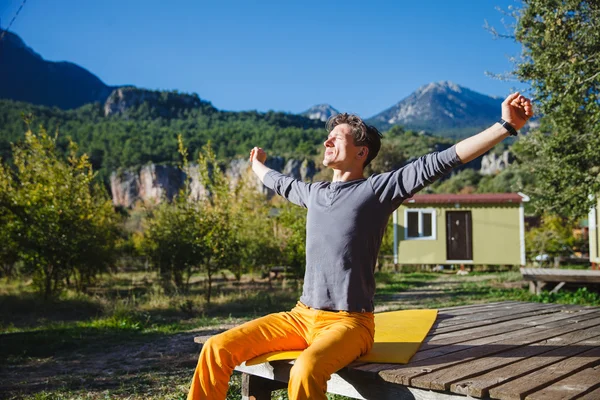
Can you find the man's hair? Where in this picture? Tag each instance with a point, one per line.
(363, 134)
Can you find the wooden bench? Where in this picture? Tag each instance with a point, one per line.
(505, 350)
(539, 277)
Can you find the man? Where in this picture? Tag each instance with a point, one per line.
(333, 322)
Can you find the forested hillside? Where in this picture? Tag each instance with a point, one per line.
(147, 132)
(142, 135)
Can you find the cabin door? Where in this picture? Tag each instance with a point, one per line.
(459, 236)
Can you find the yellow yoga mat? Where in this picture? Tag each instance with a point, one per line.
(398, 336)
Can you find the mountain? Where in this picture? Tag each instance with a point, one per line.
(125, 100)
(443, 108)
(321, 112)
(27, 77)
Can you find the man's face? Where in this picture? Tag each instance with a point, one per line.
(340, 150)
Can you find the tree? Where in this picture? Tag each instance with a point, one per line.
(9, 254)
(185, 236)
(55, 219)
(552, 239)
(464, 181)
(292, 231)
(256, 222)
(561, 62)
(174, 240)
(221, 239)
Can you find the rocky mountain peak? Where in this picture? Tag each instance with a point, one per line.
(440, 106)
(124, 98)
(321, 112)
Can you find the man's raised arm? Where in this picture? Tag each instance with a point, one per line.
(291, 189)
(516, 110)
(257, 159)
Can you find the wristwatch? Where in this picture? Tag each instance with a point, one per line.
(511, 129)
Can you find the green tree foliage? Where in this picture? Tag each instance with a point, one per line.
(148, 132)
(554, 238)
(561, 61)
(256, 227)
(291, 229)
(512, 179)
(464, 181)
(54, 219)
(174, 241)
(185, 236)
(222, 238)
(398, 146)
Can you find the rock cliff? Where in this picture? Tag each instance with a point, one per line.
(162, 104)
(491, 163)
(153, 183)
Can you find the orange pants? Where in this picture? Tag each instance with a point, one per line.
(330, 340)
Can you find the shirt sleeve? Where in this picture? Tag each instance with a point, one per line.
(291, 189)
(396, 186)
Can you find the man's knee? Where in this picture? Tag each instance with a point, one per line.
(307, 368)
(217, 348)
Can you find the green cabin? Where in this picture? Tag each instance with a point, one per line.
(594, 234)
(443, 229)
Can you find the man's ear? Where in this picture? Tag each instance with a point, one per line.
(363, 152)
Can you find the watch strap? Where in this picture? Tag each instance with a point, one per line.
(511, 129)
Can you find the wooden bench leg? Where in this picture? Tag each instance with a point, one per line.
(558, 287)
(535, 287)
(258, 388)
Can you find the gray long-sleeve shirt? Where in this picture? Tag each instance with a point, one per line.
(345, 225)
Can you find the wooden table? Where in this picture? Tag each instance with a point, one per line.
(539, 277)
(506, 350)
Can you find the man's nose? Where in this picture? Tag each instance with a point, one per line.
(327, 143)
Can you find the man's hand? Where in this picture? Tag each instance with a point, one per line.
(516, 110)
(259, 168)
(258, 154)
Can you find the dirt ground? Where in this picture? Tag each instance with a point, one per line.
(106, 370)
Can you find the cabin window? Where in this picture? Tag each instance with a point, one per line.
(419, 224)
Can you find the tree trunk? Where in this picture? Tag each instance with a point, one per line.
(209, 288)
(48, 282)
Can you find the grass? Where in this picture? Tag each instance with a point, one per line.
(126, 338)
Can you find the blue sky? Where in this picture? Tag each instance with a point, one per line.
(359, 56)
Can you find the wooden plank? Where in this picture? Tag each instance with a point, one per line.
(563, 278)
(350, 383)
(499, 321)
(444, 378)
(259, 388)
(557, 275)
(482, 320)
(423, 354)
(468, 306)
(502, 327)
(558, 287)
(558, 272)
(591, 395)
(404, 374)
(480, 385)
(481, 307)
(453, 320)
(570, 387)
(517, 389)
(472, 309)
(202, 339)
